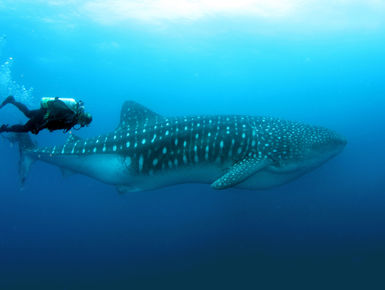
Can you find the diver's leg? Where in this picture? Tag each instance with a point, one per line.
(14, 128)
(23, 108)
(30, 126)
(9, 99)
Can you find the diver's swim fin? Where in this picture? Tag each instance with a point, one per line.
(9, 99)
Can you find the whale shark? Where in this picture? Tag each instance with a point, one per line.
(148, 151)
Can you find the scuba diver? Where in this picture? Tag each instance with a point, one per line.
(54, 114)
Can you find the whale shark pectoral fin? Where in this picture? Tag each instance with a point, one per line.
(239, 172)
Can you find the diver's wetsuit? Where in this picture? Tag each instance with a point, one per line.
(59, 117)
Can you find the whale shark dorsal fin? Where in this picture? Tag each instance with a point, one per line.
(134, 113)
(239, 172)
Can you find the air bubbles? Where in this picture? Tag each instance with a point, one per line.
(9, 86)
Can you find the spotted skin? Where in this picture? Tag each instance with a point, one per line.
(239, 172)
(149, 144)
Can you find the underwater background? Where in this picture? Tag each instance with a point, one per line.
(320, 62)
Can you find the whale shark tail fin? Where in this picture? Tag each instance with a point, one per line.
(25, 144)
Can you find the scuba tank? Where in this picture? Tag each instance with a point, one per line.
(63, 112)
(69, 102)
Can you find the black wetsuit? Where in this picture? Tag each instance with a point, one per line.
(59, 117)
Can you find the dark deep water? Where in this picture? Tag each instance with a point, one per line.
(325, 230)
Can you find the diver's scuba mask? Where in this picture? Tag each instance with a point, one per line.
(83, 118)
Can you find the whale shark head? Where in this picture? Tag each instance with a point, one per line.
(322, 145)
(307, 147)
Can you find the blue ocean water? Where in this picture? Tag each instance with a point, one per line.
(322, 64)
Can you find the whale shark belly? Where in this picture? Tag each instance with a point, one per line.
(265, 179)
(108, 168)
(207, 174)
(198, 174)
(114, 169)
